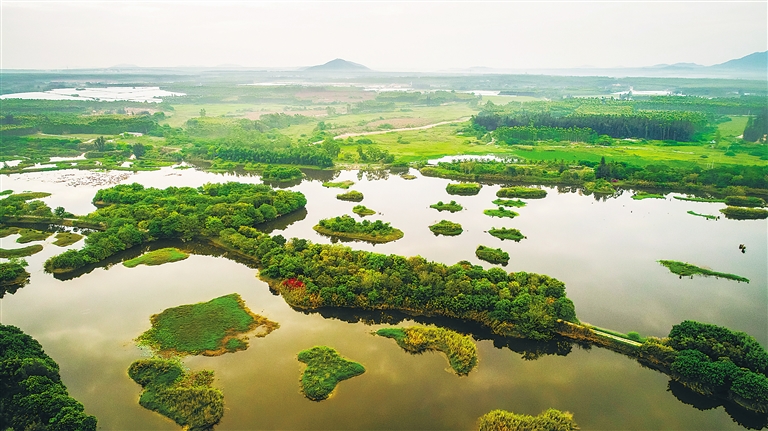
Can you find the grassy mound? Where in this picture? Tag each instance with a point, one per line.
(550, 420)
(445, 227)
(505, 233)
(492, 255)
(341, 184)
(600, 186)
(521, 192)
(362, 210)
(205, 328)
(500, 212)
(346, 227)
(741, 213)
(352, 195)
(325, 369)
(509, 203)
(13, 276)
(695, 199)
(706, 216)
(27, 235)
(744, 201)
(686, 269)
(186, 398)
(465, 189)
(157, 257)
(451, 207)
(20, 252)
(30, 195)
(460, 350)
(64, 239)
(408, 176)
(641, 195)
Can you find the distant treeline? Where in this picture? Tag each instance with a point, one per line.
(517, 134)
(71, 123)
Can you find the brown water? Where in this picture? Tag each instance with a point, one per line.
(604, 250)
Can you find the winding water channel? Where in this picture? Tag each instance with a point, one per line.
(605, 250)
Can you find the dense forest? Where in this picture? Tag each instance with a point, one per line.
(32, 396)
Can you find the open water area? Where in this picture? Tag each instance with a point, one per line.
(605, 250)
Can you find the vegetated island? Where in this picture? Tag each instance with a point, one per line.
(341, 184)
(500, 212)
(460, 350)
(464, 189)
(550, 420)
(706, 216)
(64, 239)
(686, 269)
(157, 257)
(521, 192)
(20, 252)
(697, 199)
(509, 203)
(744, 201)
(325, 369)
(741, 213)
(450, 207)
(208, 328)
(445, 227)
(492, 255)
(408, 176)
(33, 396)
(13, 276)
(348, 228)
(281, 173)
(352, 196)
(187, 398)
(600, 186)
(362, 210)
(642, 195)
(504, 233)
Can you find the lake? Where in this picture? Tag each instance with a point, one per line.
(605, 250)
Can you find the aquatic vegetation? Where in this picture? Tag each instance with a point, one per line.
(706, 216)
(157, 257)
(686, 269)
(465, 189)
(341, 184)
(325, 369)
(362, 210)
(521, 192)
(13, 276)
(352, 195)
(600, 186)
(741, 213)
(20, 252)
(744, 201)
(695, 199)
(29, 195)
(8, 230)
(408, 176)
(33, 396)
(550, 420)
(460, 350)
(347, 227)
(31, 235)
(205, 328)
(187, 398)
(509, 203)
(642, 195)
(451, 206)
(64, 239)
(500, 212)
(505, 233)
(445, 227)
(281, 173)
(492, 255)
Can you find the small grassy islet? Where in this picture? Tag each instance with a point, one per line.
(157, 257)
(451, 206)
(26, 235)
(504, 233)
(408, 176)
(706, 216)
(492, 255)
(521, 192)
(20, 252)
(64, 239)
(187, 398)
(695, 199)
(362, 210)
(205, 328)
(744, 201)
(340, 184)
(640, 196)
(347, 227)
(352, 196)
(460, 350)
(550, 420)
(465, 189)
(500, 212)
(325, 369)
(445, 227)
(686, 269)
(742, 213)
(517, 203)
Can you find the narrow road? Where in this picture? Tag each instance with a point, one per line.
(404, 129)
(623, 340)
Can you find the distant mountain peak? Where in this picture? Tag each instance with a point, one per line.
(339, 65)
(756, 60)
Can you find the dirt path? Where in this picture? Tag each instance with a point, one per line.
(623, 340)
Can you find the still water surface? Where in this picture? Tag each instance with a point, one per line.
(604, 250)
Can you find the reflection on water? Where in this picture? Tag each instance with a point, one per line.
(604, 249)
(741, 416)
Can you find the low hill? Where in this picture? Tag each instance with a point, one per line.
(338, 65)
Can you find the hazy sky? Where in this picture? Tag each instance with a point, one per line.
(424, 36)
